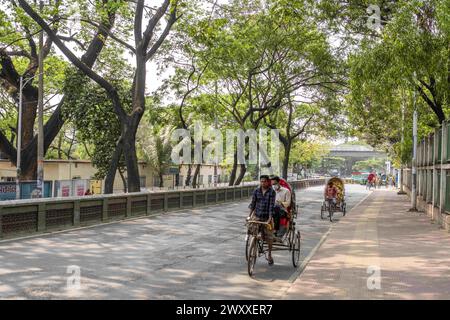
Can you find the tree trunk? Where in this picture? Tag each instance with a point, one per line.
(195, 178)
(131, 162)
(114, 164)
(124, 181)
(242, 171)
(131, 123)
(161, 180)
(29, 115)
(287, 153)
(233, 170)
(188, 175)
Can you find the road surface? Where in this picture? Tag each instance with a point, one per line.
(189, 254)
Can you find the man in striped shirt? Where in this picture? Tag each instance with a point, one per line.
(262, 208)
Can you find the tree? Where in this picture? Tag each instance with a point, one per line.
(412, 43)
(370, 165)
(307, 154)
(253, 56)
(157, 148)
(144, 48)
(333, 163)
(91, 112)
(19, 57)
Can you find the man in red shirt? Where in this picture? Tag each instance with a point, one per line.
(371, 180)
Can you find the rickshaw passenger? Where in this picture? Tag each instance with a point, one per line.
(282, 204)
(331, 192)
(284, 183)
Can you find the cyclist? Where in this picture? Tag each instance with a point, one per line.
(262, 209)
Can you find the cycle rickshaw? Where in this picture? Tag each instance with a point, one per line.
(256, 246)
(340, 205)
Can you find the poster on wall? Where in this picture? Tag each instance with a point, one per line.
(7, 190)
(80, 187)
(64, 188)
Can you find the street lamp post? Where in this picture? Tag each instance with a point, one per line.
(401, 177)
(414, 160)
(19, 139)
(40, 151)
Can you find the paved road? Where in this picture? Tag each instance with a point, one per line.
(190, 254)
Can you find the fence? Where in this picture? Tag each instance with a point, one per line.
(8, 190)
(25, 217)
(433, 175)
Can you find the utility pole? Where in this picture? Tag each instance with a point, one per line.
(216, 156)
(19, 140)
(40, 151)
(414, 160)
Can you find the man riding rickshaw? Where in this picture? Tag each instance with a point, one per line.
(334, 198)
(271, 222)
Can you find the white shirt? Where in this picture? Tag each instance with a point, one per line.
(283, 195)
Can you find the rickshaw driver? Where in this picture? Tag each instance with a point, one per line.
(262, 209)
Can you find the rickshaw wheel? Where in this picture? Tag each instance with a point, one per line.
(321, 212)
(253, 253)
(344, 210)
(247, 245)
(296, 250)
(330, 211)
(291, 235)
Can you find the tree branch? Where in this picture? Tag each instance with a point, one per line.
(73, 39)
(111, 90)
(148, 33)
(138, 22)
(8, 148)
(173, 18)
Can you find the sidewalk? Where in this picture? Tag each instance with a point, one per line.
(411, 254)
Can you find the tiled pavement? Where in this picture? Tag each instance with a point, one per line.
(379, 251)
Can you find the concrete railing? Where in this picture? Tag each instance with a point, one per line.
(27, 217)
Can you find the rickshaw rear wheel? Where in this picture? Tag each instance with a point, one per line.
(330, 211)
(296, 250)
(291, 235)
(247, 245)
